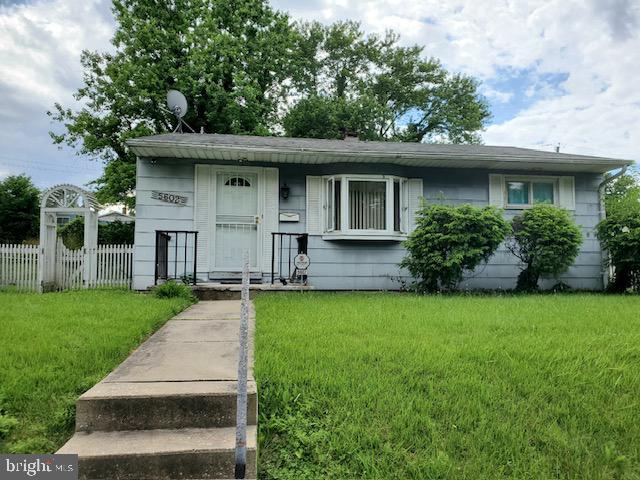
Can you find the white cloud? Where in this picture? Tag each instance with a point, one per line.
(40, 47)
(595, 44)
(497, 95)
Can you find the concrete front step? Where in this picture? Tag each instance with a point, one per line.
(161, 405)
(190, 453)
(225, 292)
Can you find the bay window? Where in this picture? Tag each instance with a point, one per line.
(365, 204)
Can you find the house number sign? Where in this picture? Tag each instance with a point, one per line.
(169, 197)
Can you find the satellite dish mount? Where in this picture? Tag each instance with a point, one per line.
(178, 106)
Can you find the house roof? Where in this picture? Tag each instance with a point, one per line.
(251, 149)
(116, 215)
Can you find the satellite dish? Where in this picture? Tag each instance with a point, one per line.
(177, 103)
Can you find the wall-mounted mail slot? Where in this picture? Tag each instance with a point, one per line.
(289, 217)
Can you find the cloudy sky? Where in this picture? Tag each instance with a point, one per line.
(554, 71)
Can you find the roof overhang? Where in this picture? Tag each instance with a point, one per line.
(185, 148)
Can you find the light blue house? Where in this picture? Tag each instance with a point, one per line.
(356, 200)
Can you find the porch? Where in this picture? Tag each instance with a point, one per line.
(176, 258)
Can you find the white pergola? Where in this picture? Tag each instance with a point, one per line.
(65, 199)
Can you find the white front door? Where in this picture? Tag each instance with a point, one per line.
(238, 211)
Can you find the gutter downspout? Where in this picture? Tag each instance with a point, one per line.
(603, 215)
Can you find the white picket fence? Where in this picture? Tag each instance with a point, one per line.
(114, 266)
(104, 266)
(19, 266)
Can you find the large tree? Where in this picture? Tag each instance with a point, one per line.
(247, 69)
(229, 57)
(347, 80)
(19, 209)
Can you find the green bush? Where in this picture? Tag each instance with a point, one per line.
(546, 240)
(449, 240)
(72, 233)
(115, 233)
(173, 289)
(619, 234)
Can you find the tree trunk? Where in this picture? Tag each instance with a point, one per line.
(621, 280)
(528, 280)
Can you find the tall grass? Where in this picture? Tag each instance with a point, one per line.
(55, 346)
(401, 386)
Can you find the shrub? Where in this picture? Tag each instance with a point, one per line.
(449, 240)
(115, 233)
(619, 234)
(173, 289)
(72, 233)
(546, 240)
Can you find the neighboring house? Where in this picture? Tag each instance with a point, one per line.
(356, 199)
(63, 219)
(115, 217)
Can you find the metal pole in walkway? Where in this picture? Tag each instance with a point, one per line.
(241, 413)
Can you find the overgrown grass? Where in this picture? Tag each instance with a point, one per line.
(447, 387)
(55, 346)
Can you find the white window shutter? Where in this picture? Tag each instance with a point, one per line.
(314, 205)
(202, 216)
(271, 211)
(496, 190)
(567, 193)
(416, 193)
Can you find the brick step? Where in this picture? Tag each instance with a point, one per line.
(161, 405)
(189, 453)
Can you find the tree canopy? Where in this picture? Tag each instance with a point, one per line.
(619, 232)
(19, 209)
(229, 58)
(369, 84)
(248, 69)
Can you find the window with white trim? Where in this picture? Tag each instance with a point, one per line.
(524, 192)
(365, 204)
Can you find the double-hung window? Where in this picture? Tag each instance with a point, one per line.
(365, 204)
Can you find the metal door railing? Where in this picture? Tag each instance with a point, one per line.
(284, 248)
(176, 254)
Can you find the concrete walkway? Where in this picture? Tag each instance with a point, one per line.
(199, 344)
(168, 411)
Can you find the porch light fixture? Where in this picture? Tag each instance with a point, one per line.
(284, 192)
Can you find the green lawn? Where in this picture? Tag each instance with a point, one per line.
(55, 346)
(400, 386)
